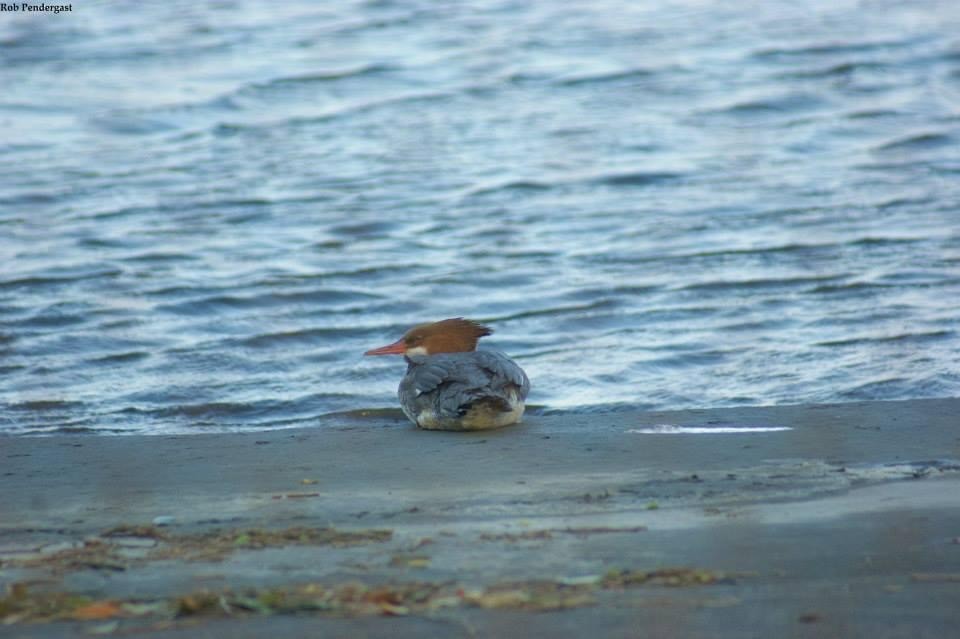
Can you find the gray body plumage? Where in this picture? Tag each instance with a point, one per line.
(475, 390)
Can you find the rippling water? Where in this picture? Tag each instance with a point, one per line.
(208, 211)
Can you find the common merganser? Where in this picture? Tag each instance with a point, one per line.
(450, 385)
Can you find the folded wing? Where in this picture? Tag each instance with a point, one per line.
(449, 384)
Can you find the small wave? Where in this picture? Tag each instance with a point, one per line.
(185, 410)
(121, 123)
(686, 360)
(918, 142)
(594, 409)
(512, 185)
(314, 77)
(102, 243)
(759, 325)
(897, 202)
(68, 427)
(775, 105)
(881, 389)
(363, 229)
(633, 178)
(775, 282)
(120, 212)
(619, 292)
(181, 291)
(801, 248)
(327, 244)
(239, 203)
(120, 358)
(226, 129)
(556, 310)
(56, 280)
(872, 114)
(676, 314)
(842, 69)
(158, 256)
(311, 335)
(851, 287)
(225, 204)
(46, 405)
(750, 108)
(6, 149)
(226, 302)
(30, 198)
(755, 250)
(362, 273)
(371, 414)
(638, 178)
(261, 412)
(617, 258)
(871, 240)
(51, 320)
(901, 337)
(601, 78)
(826, 49)
(217, 409)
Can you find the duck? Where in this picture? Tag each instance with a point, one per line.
(450, 385)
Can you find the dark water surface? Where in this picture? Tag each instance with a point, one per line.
(209, 210)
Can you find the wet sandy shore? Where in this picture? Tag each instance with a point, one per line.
(846, 524)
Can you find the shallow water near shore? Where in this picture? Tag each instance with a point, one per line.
(208, 212)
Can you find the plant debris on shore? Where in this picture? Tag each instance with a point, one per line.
(118, 548)
(22, 604)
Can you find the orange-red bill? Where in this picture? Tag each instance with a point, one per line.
(397, 348)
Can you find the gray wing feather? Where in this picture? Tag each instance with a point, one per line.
(449, 381)
(428, 376)
(503, 368)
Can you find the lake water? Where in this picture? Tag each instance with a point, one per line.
(209, 210)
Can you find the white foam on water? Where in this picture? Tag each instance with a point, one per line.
(673, 429)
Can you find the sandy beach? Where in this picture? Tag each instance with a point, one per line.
(844, 523)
